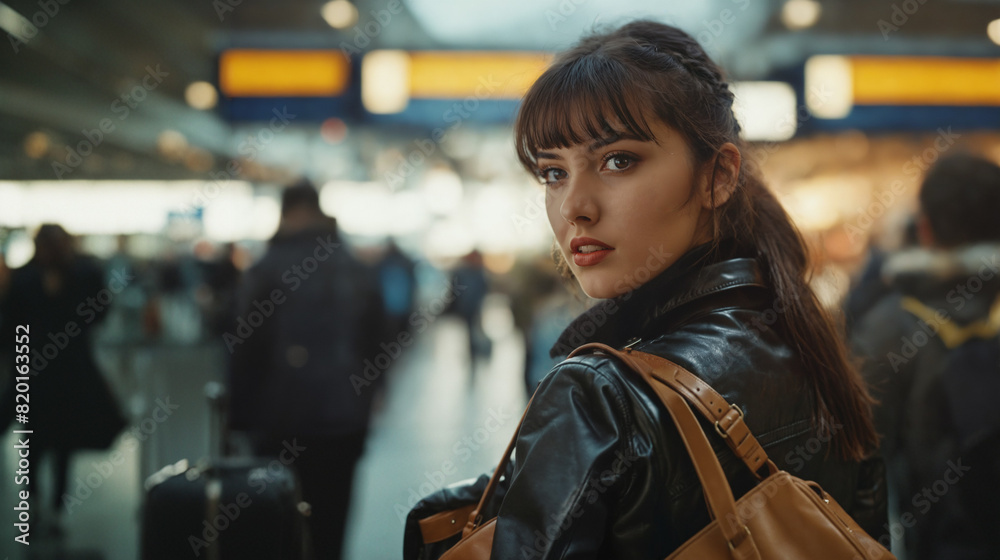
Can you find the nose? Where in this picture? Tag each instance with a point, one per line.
(579, 204)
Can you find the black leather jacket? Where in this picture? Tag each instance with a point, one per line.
(600, 471)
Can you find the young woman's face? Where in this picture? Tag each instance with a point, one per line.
(623, 210)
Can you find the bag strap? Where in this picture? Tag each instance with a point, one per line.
(728, 418)
(476, 518)
(718, 494)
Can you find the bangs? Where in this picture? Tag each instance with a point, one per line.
(582, 100)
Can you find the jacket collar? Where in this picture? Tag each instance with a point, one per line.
(698, 273)
(962, 282)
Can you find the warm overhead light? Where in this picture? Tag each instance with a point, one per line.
(37, 144)
(829, 87)
(385, 81)
(340, 14)
(993, 30)
(201, 95)
(172, 144)
(765, 110)
(800, 14)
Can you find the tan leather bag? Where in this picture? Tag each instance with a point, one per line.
(782, 517)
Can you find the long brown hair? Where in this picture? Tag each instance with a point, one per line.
(648, 70)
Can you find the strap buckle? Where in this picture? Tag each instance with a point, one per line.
(730, 543)
(718, 429)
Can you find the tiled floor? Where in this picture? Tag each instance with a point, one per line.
(431, 414)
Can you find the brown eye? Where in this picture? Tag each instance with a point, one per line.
(551, 175)
(618, 162)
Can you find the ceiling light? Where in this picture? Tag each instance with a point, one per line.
(340, 14)
(201, 95)
(765, 110)
(993, 30)
(829, 87)
(172, 144)
(385, 81)
(800, 14)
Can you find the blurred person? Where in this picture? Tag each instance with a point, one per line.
(398, 280)
(61, 296)
(471, 286)
(933, 357)
(172, 313)
(868, 286)
(632, 133)
(552, 313)
(4, 274)
(124, 322)
(530, 284)
(220, 278)
(308, 317)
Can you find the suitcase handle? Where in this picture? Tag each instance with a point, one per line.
(218, 429)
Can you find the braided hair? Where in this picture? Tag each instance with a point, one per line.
(619, 82)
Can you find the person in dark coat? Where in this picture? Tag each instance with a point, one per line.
(309, 316)
(60, 296)
(469, 278)
(933, 357)
(632, 134)
(398, 279)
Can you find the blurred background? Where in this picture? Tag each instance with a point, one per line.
(159, 134)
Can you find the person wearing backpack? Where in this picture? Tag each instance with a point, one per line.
(310, 317)
(932, 354)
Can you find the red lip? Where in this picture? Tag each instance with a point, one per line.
(588, 259)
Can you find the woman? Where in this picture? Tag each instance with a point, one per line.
(655, 211)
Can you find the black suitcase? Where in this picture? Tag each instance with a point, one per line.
(226, 508)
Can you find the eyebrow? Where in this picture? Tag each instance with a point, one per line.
(595, 145)
(601, 142)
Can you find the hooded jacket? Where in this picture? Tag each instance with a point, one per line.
(930, 354)
(600, 470)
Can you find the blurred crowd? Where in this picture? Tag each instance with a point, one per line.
(311, 324)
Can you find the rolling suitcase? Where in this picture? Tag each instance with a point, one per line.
(224, 508)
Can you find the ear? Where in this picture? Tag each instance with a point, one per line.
(725, 170)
